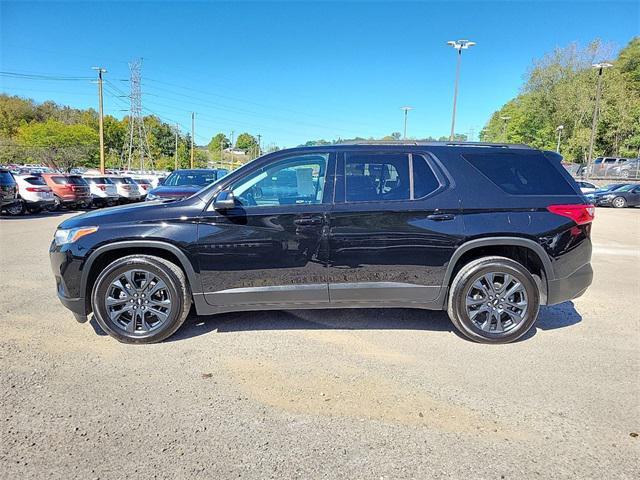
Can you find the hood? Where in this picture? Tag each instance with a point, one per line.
(179, 191)
(138, 212)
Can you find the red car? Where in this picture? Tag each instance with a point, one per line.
(70, 191)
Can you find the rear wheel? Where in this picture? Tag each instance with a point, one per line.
(141, 299)
(55, 206)
(619, 202)
(493, 300)
(16, 209)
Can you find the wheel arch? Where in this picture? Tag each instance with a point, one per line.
(106, 254)
(522, 250)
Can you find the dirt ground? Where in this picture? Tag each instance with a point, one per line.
(321, 394)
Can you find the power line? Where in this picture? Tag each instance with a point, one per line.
(33, 76)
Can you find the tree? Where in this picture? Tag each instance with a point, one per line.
(218, 143)
(61, 145)
(246, 142)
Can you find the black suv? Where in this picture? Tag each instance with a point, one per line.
(8, 189)
(487, 232)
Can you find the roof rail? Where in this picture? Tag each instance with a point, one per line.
(441, 144)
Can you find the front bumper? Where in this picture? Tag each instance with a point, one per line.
(568, 288)
(67, 273)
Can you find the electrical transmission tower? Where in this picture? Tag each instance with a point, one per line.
(138, 143)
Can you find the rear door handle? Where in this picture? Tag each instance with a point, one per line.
(308, 221)
(440, 217)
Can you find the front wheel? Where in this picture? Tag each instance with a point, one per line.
(619, 202)
(141, 299)
(493, 300)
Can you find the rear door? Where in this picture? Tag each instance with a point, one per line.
(272, 247)
(394, 227)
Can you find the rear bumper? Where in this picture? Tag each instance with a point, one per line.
(573, 286)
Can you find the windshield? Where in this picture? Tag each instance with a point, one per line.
(196, 179)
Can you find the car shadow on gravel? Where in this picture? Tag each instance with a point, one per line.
(549, 318)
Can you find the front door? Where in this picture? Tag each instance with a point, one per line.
(394, 228)
(272, 247)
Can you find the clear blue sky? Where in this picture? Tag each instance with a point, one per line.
(294, 71)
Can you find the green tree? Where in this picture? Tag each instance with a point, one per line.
(218, 143)
(246, 142)
(61, 145)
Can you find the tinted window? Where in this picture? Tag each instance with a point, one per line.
(424, 180)
(60, 180)
(35, 180)
(375, 177)
(6, 178)
(521, 174)
(198, 179)
(297, 180)
(122, 180)
(75, 180)
(98, 180)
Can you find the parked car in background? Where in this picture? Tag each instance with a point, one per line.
(591, 197)
(486, 232)
(103, 190)
(69, 191)
(629, 169)
(603, 166)
(144, 185)
(621, 197)
(586, 187)
(33, 195)
(8, 189)
(126, 188)
(184, 183)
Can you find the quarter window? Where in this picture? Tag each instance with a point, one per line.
(295, 181)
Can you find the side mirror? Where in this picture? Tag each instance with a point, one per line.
(225, 200)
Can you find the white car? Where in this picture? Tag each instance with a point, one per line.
(103, 191)
(127, 188)
(34, 195)
(587, 187)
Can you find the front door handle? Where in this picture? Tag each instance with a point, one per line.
(441, 217)
(308, 221)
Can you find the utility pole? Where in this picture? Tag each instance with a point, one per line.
(505, 119)
(600, 67)
(193, 131)
(406, 111)
(101, 116)
(175, 155)
(259, 147)
(559, 129)
(459, 45)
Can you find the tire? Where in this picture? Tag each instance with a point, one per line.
(35, 210)
(493, 311)
(55, 206)
(121, 327)
(16, 209)
(619, 202)
(625, 174)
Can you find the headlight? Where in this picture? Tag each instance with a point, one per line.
(70, 235)
(151, 196)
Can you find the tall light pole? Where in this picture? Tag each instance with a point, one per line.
(406, 111)
(559, 129)
(101, 116)
(459, 45)
(175, 153)
(600, 67)
(193, 132)
(505, 119)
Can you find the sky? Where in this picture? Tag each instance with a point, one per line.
(297, 71)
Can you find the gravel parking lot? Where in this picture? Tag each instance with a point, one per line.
(321, 394)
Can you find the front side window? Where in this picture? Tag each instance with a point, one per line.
(296, 180)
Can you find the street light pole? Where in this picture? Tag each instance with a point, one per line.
(459, 45)
(406, 111)
(559, 130)
(100, 117)
(600, 67)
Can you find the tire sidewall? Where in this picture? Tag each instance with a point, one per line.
(117, 268)
(622, 205)
(464, 323)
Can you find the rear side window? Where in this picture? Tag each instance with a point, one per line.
(424, 180)
(375, 177)
(521, 174)
(35, 180)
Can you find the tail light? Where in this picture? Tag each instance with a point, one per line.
(581, 214)
(102, 187)
(126, 187)
(38, 189)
